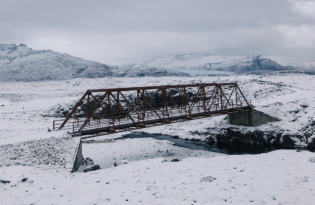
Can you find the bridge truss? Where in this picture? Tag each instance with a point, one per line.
(106, 111)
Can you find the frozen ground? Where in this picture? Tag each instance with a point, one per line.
(107, 153)
(47, 153)
(279, 177)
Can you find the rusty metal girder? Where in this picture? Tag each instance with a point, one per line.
(113, 112)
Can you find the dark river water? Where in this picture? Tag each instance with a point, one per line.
(227, 148)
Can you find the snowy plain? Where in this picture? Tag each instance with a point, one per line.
(200, 177)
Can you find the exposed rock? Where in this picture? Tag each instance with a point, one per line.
(154, 72)
(53, 152)
(87, 161)
(230, 134)
(226, 133)
(287, 141)
(153, 97)
(24, 180)
(175, 160)
(92, 168)
(120, 163)
(210, 140)
(311, 142)
(208, 179)
(4, 181)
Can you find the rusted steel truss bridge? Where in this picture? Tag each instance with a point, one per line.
(107, 111)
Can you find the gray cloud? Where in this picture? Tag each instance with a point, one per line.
(105, 31)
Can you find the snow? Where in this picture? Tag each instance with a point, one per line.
(20, 63)
(279, 177)
(109, 152)
(22, 104)
(48, 153)
(206, 64)
(200, 177)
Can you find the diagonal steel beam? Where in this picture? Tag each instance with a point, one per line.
(242, 95)
(130, 105)
(227, 101)
(231, 94)
(73, 110)
(124, 109)
(174, 104)
(153, 107)
(89, 117)
(191, 107)
(216, 93)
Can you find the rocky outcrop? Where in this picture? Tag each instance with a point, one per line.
(154, 72)
(241, 134)
(92, 168)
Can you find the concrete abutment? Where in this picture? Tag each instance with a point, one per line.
(251, 117)
(78, 157)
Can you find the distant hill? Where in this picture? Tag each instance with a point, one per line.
(20, 63)
(206, 64)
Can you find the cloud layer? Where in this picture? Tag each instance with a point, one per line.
(107, 31)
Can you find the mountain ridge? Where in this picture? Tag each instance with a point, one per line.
(21, 63)
(207, 62)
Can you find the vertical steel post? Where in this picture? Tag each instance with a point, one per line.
(117, 101)
(221, 97)
(185, 99)
(164, 103)
(88, 107)
(143, 105)
(111, 111)
(204, 99)
(138, 106)
(236, 96)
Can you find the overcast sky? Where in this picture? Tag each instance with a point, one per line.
(108, 31)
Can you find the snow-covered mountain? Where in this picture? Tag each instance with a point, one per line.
(204, 63)
(20, 63)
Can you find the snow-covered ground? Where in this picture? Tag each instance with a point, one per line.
(200, 177)
(279, 177)
(107, 153)
(47, 153)
(206, 64)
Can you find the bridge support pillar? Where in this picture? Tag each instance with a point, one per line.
(78, 157)
(251, 117)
